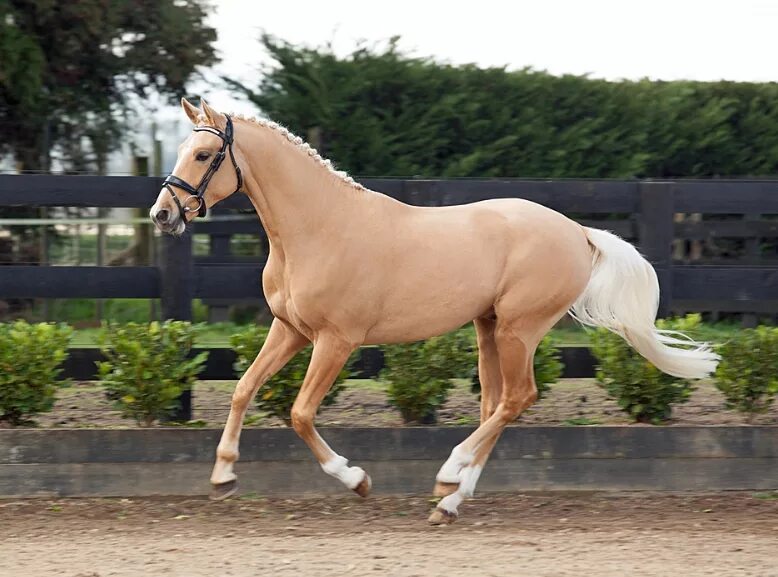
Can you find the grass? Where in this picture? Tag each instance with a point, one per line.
(709, 332)
(82, 313)
(250, 497)
(217, 335)
(365, 384)
(769, 496)
(84, 248)
(582, 421)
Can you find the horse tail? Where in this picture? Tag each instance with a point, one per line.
(623, 297)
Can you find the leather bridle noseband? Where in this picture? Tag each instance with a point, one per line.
(197, 193)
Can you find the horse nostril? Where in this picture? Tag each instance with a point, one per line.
(162, 216)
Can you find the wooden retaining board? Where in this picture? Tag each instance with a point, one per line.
(136, 462)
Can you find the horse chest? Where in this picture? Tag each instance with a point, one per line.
(278, 294)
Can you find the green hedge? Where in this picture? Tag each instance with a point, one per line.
(644, 392)
(30, 357)
(147, 367)
(419, 375)
(748, 372)
(381, 112)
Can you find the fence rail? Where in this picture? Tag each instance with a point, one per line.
(642, 211)
(578, 362)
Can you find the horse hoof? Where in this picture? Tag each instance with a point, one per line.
(444, 489)
(363, 489)
(442, 517)
(223, 490)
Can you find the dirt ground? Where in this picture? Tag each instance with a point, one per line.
(364, 404)
(538, 535)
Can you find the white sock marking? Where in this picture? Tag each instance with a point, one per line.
(338, 468)
(451, 470)
(451, 502)
(468, 479)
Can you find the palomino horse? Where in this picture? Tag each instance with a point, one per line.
(349, 266)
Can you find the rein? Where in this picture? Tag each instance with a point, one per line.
(197, 193)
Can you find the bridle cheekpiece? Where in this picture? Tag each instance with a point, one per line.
(197, 193)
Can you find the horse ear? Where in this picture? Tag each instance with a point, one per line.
(191, 110)
(213, 117)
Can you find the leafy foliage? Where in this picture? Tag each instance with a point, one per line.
(68, 68)
(277, 396)
(641, 390)
(748, 371)
(378, 111)
(148, 366)
(419, 374)
(30, 357)
(547, 365)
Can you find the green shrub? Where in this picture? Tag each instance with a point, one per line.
(30, 357)
(641, 390)
(748, 371)
(277, 396)
(147, 367)
(547, 366)
(419, 374)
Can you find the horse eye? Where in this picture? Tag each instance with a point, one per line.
(202, 156)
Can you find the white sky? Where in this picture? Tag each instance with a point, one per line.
(667, 39)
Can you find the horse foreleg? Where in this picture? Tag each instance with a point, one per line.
(281, 344)
(330, 353)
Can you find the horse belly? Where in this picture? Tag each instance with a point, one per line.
(414, 313)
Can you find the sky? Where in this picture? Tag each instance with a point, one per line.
(658, 39)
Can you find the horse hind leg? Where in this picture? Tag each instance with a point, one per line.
(448, 478)
(515, 353)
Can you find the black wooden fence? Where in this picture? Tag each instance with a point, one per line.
(642, 211)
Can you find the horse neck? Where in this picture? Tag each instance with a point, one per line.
(297, 199)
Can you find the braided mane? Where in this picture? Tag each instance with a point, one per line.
(302, 145)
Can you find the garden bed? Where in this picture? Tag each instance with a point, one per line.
(363, 403)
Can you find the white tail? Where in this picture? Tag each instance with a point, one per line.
(623, 297)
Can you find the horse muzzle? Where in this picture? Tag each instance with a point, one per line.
(167, 221)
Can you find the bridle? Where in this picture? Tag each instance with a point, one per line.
(197, 193)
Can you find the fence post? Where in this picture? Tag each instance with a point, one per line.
(177, 278)
(657, 208)
(753, 254)
(218, 309)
